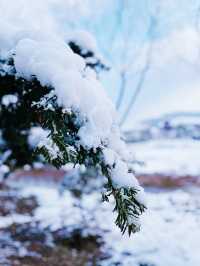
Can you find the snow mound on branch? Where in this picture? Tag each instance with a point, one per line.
(40, 49)
(54, 64)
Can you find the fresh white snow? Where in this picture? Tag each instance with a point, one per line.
(177, 157)
(9, 99)
(169, 236)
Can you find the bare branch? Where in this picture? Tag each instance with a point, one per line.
(121, 90)
(144, 72)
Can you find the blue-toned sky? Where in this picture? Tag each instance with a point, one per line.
(126, 40)
(124, 36)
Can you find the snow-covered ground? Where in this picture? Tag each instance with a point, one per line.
(175, 157)
(169, 235)
(170, 232)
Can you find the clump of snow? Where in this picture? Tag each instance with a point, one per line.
(121, 177)
(9, 99)
(109, 156)
(36, 135)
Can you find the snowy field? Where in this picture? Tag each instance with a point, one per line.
(175, 157)
(170, 232)
(170, 228)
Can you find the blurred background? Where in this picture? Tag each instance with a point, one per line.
(151, 50)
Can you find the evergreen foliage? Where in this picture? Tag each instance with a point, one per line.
(37, 106)
(90, 58)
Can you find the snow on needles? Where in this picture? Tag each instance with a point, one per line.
(42, 51)
(56, 65)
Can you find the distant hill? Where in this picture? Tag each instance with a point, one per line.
(172, 126)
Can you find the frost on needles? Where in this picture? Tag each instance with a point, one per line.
(54, 109)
